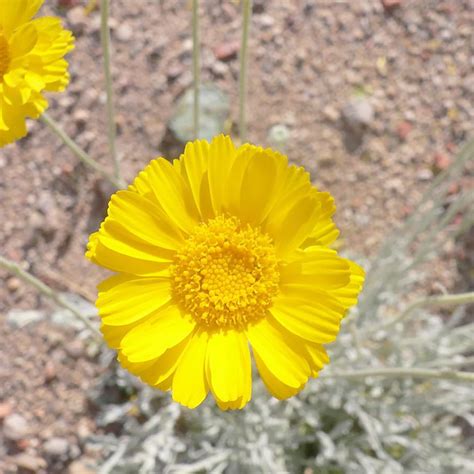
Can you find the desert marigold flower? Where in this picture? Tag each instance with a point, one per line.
(31, 61)
(225, 248)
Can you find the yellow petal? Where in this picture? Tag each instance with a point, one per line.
(189, 381)
(113, 335)
(165, 366)
(53, 42)
(221, 158)
(13, 13)
(229, 367)
(114, 236)
(290, 228)
(259, 187)
(278, 351)
(275, 386)
(142, 185)
(194, 167)
(166, 384)
(141, 219)
(325, 231)
(122, 258)
(12, 123)
(151, 338)
(34, 81)
(135, 368)
(172, 193)
(236, 174)
(347, 295)
(124, 299)
(22, 42)
(294, 185)
(318, 267)
(235, 404)
(316, 321)
(317, 357)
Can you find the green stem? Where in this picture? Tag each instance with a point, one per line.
(196, 68)
(439, 300)
(81, 154)
(247, 13)
(397, 372)
(111, 126)
(465, 362)
(14, 268)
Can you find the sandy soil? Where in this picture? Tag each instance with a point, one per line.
(412, 68)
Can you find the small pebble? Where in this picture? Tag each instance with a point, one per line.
(15, 427)
(441, 162)
(56, 447)
(77, 19)
(28, 462)
(50, 372)
(358, 113)
(5, 409)
(13, 283)
(124, 32)
(424, 175)
(75, 349)
(227, 51)
(81, 467)
(391, 4)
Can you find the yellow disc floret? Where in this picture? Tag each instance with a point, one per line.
(4, 55)
(226, 274)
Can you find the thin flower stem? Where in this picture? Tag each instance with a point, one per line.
(465, 362)
(14, 268)
(247, 13)
(81, 154)
(397, 372)
(111, 126)
(439, 300)
(196, 68)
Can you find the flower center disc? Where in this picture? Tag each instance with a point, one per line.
(226, 274)
(4, 56)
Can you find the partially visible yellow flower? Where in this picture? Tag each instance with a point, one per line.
(224, 249)
(31, 61)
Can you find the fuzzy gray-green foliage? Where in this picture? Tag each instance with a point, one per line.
(335, 425)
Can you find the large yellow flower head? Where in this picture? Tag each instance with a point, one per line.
(31, 61)
(224, 249)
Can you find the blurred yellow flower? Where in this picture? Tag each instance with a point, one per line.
(225, 248)
(31, 61)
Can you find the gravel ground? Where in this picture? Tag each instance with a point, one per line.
(375, 102)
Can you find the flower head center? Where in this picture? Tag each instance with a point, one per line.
(4, 55)
(226, 274)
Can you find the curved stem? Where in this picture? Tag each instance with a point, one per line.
(439, 300)
(196, 68)
(111, 126)
(81, 154)
(14, 268)
(247, 12)
(397, 372)
(464, 362)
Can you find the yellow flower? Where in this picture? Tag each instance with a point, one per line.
(225, 248)
(31, 61)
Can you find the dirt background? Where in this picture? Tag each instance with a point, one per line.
(375, 101)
